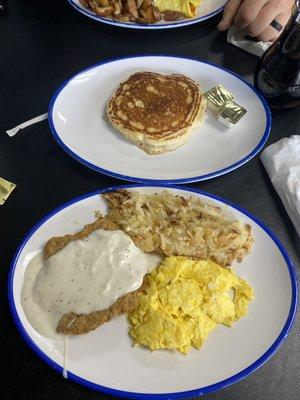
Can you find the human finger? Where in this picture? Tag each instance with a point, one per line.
(248, 12)
(270, 34)
(267, 14)
(229, 13)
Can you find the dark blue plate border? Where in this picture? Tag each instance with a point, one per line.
(166, 181)
(132, 395)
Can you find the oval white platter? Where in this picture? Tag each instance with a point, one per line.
(105, 360)
(77, 122)
(207, 9)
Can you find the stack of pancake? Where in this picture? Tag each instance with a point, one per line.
(157, 112)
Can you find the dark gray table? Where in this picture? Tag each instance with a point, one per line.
(41, 44)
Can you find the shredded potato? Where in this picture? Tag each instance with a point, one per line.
(140, 11)
(174, 225)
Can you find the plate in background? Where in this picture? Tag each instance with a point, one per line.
(77, 122)
(208, 9)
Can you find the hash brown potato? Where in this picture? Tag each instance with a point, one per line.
(174, 225)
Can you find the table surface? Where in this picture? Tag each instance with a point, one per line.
(42, 43)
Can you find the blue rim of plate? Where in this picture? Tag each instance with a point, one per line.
(132, 25)
(156, 396)
(161, 181)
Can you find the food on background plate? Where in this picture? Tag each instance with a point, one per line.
(84, 280)
(143, 11)
(139, 11)
(186, 7)
(175, 225)
(184, 301)
(157, 112)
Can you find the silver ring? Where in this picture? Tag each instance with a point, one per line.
(276, 25)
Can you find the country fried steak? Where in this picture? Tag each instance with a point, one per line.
(72, 324)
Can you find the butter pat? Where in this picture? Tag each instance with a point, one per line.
(217, 97)
(230, 113)
(5, 190)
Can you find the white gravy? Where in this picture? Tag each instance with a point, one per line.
(85, 276)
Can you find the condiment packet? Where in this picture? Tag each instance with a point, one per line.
(217, 96)
(230, 113)
(5, 190)
(220, 101)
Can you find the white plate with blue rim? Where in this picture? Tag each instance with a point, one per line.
(207, 9)
(105, 360)
(77, 122)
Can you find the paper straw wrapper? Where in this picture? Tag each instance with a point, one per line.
(12, 132)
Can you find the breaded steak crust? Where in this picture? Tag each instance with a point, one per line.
(72, 324)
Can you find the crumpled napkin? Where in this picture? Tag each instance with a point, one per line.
(282, 162)
(239, 39)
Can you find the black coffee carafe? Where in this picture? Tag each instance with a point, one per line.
(277, 75)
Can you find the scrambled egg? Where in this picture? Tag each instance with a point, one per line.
(186, 7)
(184, 301)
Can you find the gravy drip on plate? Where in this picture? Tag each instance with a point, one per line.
(85, 276)
(66, 350)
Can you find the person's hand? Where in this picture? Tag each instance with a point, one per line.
(255, 16)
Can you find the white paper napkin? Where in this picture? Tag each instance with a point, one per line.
(239, 39)
(282, 162)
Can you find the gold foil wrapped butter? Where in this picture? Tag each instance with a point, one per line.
(220, 100)
(217, 96)
(230, 113)
(5, 190)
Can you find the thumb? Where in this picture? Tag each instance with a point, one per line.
(229, 13)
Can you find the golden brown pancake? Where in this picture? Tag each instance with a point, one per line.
(156, 112)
